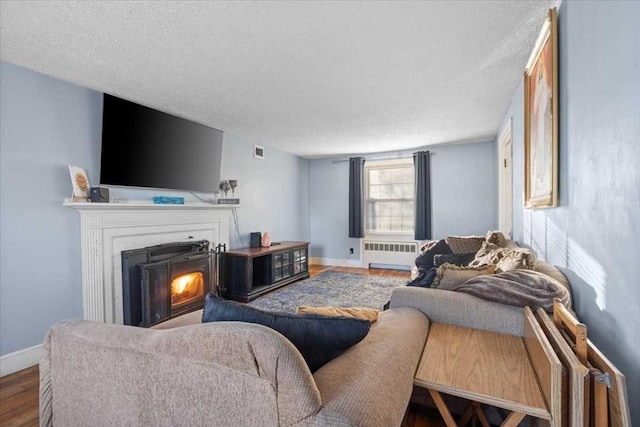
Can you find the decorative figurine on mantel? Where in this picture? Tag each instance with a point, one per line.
(225, 186)
(80, 182)
(233, 183)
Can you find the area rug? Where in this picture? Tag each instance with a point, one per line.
(332, 288)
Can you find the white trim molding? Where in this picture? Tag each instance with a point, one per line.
(505, 179)
(336, 262)
(19, 360)
(107, 229)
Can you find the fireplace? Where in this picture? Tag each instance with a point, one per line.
(167, 280)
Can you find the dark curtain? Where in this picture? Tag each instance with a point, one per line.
(356, 197)
(422, 200)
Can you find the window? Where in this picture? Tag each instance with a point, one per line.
(389, 187)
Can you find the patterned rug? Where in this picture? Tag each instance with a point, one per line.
(331, 288)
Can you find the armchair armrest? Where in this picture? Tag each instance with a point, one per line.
(457, 308)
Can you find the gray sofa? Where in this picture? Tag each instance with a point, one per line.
(456, 308)
(237, 374)
(225, 374)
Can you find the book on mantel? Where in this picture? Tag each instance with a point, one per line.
(228, 201)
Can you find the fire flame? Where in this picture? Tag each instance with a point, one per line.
(187, 287)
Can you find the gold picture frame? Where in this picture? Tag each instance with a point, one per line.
(541, 119)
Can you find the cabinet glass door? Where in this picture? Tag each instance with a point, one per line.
(281, 266)
(277, 267)
(299, 261)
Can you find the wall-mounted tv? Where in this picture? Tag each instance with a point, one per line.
(143, 147)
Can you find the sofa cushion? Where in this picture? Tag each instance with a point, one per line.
(455, 259)
(318, 338)
(98, 374)
(464, 244)
(364, 313)
(424, 261)
(448, 276)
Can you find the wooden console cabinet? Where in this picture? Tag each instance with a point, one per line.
(250, 272)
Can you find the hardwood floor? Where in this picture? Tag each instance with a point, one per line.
(19, 391)
(314, 270)
(19, 398)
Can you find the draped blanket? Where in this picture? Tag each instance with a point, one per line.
(519, 288)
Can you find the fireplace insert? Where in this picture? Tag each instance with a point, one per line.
(165, 281)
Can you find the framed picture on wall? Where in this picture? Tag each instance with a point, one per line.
(541, 118)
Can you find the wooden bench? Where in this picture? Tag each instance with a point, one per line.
(520, 374)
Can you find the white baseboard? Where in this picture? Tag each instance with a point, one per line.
(336, 262)
(19, 360)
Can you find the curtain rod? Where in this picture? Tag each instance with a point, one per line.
(372, 157)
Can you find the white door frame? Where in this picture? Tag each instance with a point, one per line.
(505, 179)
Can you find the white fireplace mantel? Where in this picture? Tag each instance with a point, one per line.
(110, 228)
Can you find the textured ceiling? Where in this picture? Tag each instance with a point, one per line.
(310, 78)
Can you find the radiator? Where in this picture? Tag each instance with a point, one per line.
(389, 252)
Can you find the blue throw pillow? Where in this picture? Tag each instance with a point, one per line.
(424, 261)
(318, 338)
(424, 279)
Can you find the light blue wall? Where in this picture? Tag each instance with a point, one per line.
(464, 189)
(329, 211)
(594, 236)
(463, 186)
(273, 192)
(47, 124)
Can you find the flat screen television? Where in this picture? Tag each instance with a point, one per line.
(143, 147)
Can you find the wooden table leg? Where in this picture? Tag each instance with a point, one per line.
(482, 417)
(474, 412)
(513, 419)
(468, 414)
(442, 407)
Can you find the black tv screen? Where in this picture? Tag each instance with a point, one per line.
(143, 147)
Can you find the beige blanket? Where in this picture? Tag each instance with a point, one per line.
(519, 288)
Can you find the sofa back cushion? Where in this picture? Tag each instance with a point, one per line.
(464, 244)
(102, 374)
(318, 338)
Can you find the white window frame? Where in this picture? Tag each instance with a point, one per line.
(380, 164)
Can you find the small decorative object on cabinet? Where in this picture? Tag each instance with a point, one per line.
(251, 272)
(266, 239)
